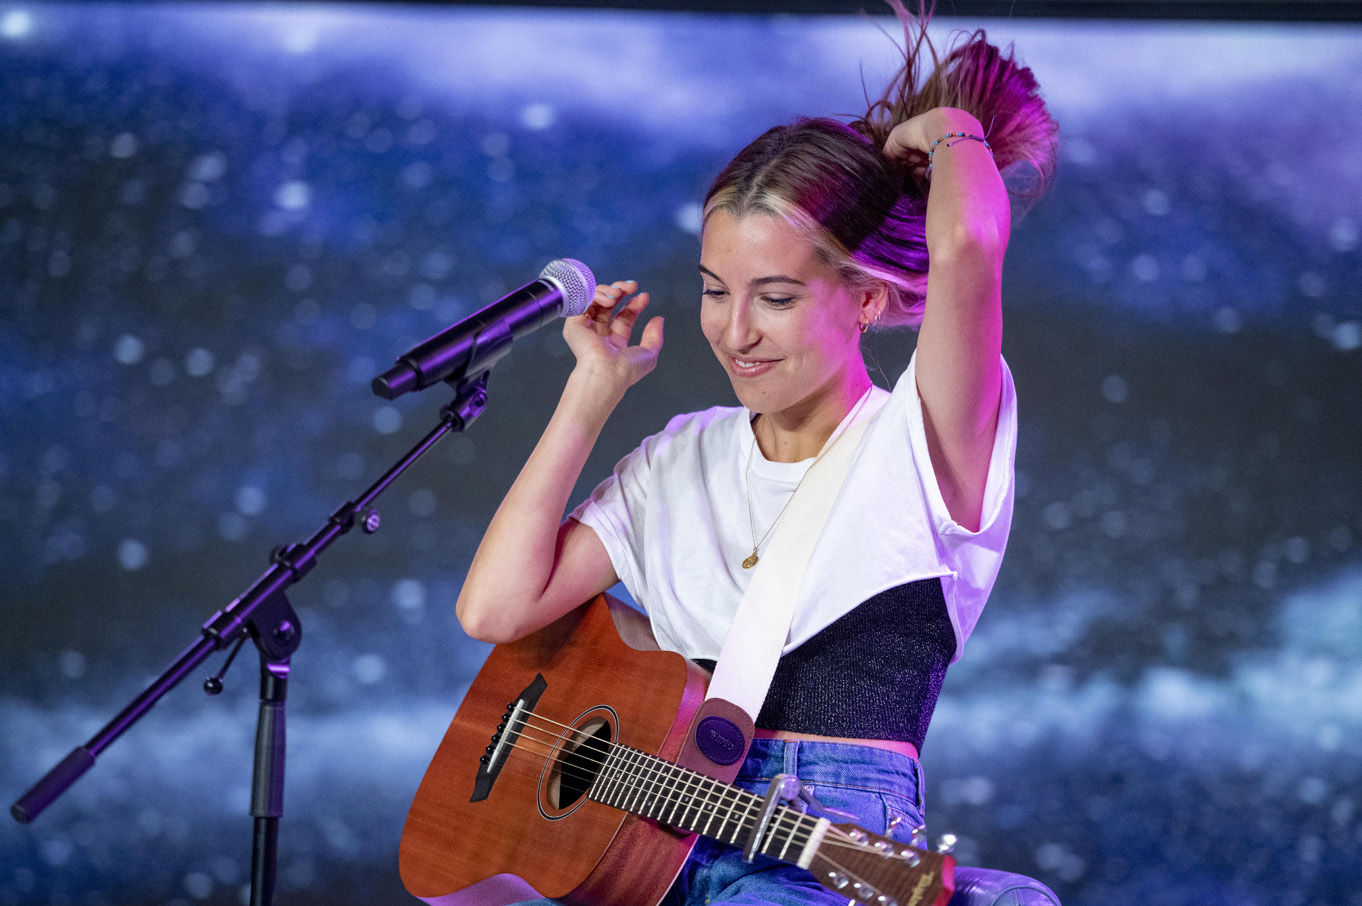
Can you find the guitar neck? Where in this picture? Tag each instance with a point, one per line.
(650, 787)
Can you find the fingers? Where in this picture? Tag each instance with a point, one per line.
(652, 335)
(601, 310)
(607, 297)
(623, 324)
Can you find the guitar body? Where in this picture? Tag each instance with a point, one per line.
(523, 831)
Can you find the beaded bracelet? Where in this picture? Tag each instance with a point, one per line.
(959, 137)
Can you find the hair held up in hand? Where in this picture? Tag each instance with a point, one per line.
(865, 213)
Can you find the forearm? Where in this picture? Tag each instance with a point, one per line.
(510, 585)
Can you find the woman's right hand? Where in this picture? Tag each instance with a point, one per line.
(599, 337)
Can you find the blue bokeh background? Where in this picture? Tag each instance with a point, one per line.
(218, 223)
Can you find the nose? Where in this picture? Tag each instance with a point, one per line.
(740, 332)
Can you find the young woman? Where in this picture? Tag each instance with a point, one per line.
(814, 234)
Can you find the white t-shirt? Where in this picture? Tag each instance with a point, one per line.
(673, 518)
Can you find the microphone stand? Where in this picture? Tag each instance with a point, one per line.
(263, 614)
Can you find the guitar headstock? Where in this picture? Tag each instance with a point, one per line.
(877, 871)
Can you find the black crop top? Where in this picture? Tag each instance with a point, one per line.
(875, 673)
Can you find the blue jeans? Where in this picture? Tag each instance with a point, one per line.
(875, 785)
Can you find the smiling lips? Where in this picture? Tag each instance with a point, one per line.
(750, 367)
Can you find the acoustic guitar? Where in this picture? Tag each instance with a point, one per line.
(558, 777)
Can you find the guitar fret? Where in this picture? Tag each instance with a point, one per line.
(702, 809)
(643, 784)
(599, 788)
(747, 820)
(714, 799)
(611, 779)
(654, 767)
(717, 794)
(634, 790)
(733, 823)
(801, 829)
(624, 785)
(647, 781)
(701, 794)
(671, 794)
(788, 838)
(688, 822)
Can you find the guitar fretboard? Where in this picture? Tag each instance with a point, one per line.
(645, 785)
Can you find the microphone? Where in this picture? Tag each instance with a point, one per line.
(475, 344)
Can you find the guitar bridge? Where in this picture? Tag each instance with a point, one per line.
(507, 732)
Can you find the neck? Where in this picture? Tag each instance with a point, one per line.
(799, 432)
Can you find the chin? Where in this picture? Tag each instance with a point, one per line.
(757, 403)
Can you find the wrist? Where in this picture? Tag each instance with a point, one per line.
(962, 133)
(592, 392)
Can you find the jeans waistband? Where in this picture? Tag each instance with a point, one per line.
(833, 764)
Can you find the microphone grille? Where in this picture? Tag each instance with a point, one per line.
(576, 282)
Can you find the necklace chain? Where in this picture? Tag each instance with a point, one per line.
(751, 560)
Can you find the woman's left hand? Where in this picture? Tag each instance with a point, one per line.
(911, 140)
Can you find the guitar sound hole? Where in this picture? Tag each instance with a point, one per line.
(580, 763)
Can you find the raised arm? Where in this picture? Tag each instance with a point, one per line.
(959, 370)
(533, 566)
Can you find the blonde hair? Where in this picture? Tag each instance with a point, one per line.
(864, 213)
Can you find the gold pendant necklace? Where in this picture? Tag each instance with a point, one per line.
(752, 559)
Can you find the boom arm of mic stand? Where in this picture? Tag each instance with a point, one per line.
(290, 565)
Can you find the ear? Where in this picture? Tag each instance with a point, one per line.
(872, 302)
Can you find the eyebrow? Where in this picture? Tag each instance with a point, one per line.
(760, 281)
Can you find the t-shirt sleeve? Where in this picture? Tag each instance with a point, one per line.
(615, 512)
(974, 556)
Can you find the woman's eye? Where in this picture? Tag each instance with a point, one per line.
(779, 301)
(713, 293)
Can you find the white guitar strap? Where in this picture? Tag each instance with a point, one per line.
(761, 623)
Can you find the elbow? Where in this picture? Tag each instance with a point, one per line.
(976, 241)
(485, 621)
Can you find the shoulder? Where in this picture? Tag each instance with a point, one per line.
(704, 427)
(715, 418)
(688, 437)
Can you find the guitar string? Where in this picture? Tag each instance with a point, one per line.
(787, 819)
(664, 783)
(594, 745)
(656, 768)
(835, 837)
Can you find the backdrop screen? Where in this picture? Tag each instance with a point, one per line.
(218, 223)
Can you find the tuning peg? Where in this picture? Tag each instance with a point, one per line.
(919, 836)
(911, 856)
(946, 843)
